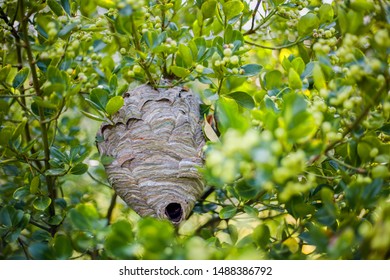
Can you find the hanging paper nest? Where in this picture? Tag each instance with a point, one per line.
(156, 143)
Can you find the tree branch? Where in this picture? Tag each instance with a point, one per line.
(31, 61)
(278, 47)
(254, 15)
(261, 23)
(111, 208)
(138, 48)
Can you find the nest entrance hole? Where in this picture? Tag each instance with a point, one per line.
(174, 212)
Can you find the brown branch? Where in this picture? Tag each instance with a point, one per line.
(23, 245)
(261, 23)
(19, 66)
(111, 208)
(31, 61)
(254, 16)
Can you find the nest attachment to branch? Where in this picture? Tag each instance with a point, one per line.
(156, 143)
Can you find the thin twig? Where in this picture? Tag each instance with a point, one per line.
(137, 45)
(278, 47)
(323, 176)
(254, 16)
(20, 241)
(261, 23)
(18, 96)
(111, 208)
(357, 169)
(97, 180)
(39, 225)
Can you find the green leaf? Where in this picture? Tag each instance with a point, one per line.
(286, 63)
(233, 232)
(326, 13)
(251, 69)
(34, 185)
(6, 214)
(186, 54)
(113, 83)
(354, 21)
(362, 5)
(62, 247)
(342, 19)
(228, 212)
(318, 77)
(294, 80)
(273, 79)
(55, 7)
(84, 217)
(20, 77)
(179, 71)
(199, 47)
(232, 8)
(55, 172)
(114, 104)
(150, 38)
(119, 241)
(108, 4)
(380, 171)
(55, 220)
(99, 97)
(66, 5)
(41, 203)
(40, 251)
(300, 124)
(21, 193)
(57, 154)
(12, 222)
(242, 98)
(4, 71)
(67, 29)
(82, 241)
(155, 235)
(6, 135)
(261, 235)
(245, 191)
(307, 23)
(229, 116)
(297, 207)
(88, 7)
(56, 76)
(299, 65)
(19, 129)
(363, 149)
(208, 9)
(326, 215)
(43, 103)
(251, 211)
(79, 169)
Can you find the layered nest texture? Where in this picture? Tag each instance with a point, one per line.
(156, 142)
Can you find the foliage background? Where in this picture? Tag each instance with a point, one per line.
(296, 109)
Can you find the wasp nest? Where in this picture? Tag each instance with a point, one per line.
(156, 142)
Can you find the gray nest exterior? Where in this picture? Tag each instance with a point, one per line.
(156, 143)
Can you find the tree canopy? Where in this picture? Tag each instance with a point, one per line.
(295, 109)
